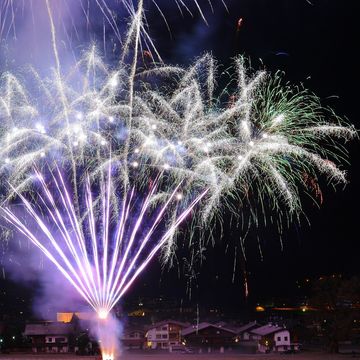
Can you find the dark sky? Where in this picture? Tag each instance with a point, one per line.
(317, 45)
(320, 41)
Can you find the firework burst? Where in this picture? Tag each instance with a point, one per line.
(165, 141)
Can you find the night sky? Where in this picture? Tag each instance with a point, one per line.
(314, 44)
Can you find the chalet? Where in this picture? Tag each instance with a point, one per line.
(271, 338)
(50, 337)
(244, 331)
(133, 338)
(165, 334)
(209, 335)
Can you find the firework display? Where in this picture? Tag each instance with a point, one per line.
(100, 165)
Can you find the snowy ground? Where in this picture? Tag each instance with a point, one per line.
(164, 356)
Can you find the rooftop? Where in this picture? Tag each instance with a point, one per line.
(50, 328)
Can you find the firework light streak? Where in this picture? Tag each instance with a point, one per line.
(101, 271)
(257, 141)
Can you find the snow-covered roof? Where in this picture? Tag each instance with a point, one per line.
(247, 327)
(167, 322)
(267, 329)
(201, 326)
(52, 328)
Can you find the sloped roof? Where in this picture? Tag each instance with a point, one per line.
(53, 328)
(203, 325)
(166, 322)
(226, 325)
(267, 329)
(247, 327)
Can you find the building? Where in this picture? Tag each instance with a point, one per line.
(244, 331)
(209, 336)
(67, 317)
(271, 338)
(50, 337)
(133, 338)
(164, 334)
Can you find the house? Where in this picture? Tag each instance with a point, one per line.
(133, 338)
(50, 337)
(244, 331)
(209, 335)
(271, 338)
(164, 334)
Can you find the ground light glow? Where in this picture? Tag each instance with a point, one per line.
(106, 356)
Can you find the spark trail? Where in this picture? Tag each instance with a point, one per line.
(165, 141)
(101, 259)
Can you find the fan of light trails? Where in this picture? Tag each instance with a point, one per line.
(261, 141)
(100, 258)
